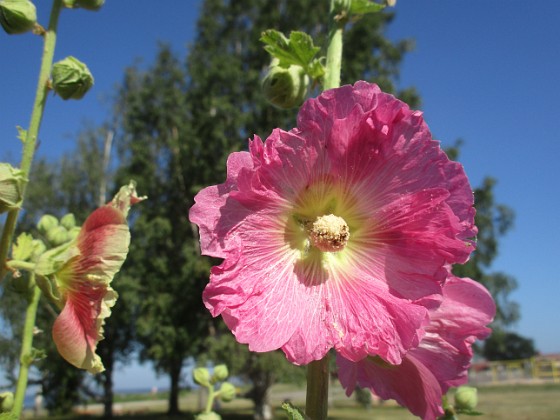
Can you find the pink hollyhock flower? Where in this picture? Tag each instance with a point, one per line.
(440, 361)
(82, 271)
(328, 232)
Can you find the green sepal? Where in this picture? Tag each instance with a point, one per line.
(8, 416)
(293, 413)
(33, 355)
(297, 50)
(201, 376)
(362, 7)
(46, 286)
(469, 412)
(51, 261)
(12, 183)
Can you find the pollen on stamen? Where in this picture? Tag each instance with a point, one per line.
(329, 233)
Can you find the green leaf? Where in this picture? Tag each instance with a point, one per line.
(293, 413)
(23, 248)
(362, 7)
(298, 49)
(22, 133)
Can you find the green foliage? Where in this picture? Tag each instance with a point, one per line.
(292, 412)
(504, 345)
(297, 50)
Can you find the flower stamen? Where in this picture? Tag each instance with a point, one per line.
(328, 233)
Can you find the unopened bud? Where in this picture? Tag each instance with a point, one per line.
(285, 87)
(17, 16)
(466, 398)
(58, 236)
(208, 416)
(227, 392)
(71, 79)
(201, 376)
(84, 4)
(6, 402)
(46, 223)
(11, 187)
(220, 373)
(68, 221)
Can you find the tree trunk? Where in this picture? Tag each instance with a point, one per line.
(108, 389)
(174, 376)
(259, 394)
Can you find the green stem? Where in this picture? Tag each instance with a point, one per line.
(334, 49)
(33, 129)
(210, 400)
(316, 400)
(26, 348)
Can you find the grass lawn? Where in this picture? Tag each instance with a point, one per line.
(511, 402)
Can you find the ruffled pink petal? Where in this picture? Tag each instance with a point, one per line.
(440, 361)
(411, 383)
(95, 257)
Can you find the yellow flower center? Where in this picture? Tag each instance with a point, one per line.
(328, 233)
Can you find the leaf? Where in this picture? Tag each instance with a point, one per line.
(23, 248)
(22, 133)
(298, 49)
(293, 413)
(362, 7)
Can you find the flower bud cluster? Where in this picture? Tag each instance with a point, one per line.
(17, 16)
(58, 232)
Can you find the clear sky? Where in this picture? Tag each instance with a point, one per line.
(487, 72)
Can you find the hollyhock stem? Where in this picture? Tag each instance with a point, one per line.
(26, 357)
(33, 129)
(316, 400)
(334, 49)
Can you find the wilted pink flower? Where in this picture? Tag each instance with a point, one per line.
(330, 231)
(440, 361)
(82, 271)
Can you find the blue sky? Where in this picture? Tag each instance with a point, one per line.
(487, 71)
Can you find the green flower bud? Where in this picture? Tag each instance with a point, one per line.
(220, 373)
(46, 223)
(84, 4)
(58, 236)
(466, 398)
(227, 392)
(71, 79)
(6, 402)
(285, 87)
(11, 187)
(17, 16)
(201, 376)
(68, 221)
